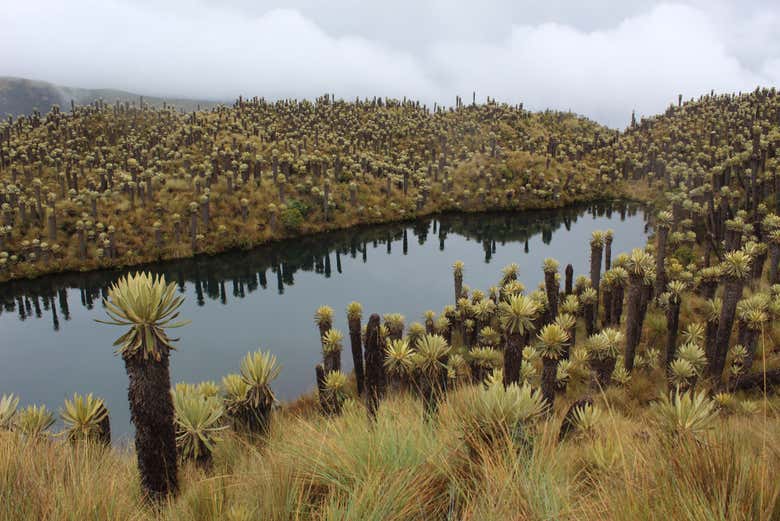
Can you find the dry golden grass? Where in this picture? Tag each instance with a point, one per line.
(405, 468)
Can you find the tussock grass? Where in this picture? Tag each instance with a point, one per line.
(407, 467)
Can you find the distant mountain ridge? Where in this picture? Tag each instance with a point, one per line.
(21, 96)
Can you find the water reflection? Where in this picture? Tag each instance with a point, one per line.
(51, 347)
(248, 271)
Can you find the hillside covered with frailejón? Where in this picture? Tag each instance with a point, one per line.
(109, 185)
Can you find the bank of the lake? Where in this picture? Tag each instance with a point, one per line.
(244, 239)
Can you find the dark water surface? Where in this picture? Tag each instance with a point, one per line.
(51, 347)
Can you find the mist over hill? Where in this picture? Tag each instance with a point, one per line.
(21, 96)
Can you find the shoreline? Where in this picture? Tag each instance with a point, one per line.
(71, 268)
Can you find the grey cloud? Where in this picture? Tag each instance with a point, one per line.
(599, 58)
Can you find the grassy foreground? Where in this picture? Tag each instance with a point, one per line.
(402, 467)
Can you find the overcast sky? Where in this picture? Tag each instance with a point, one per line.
(603, 60)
